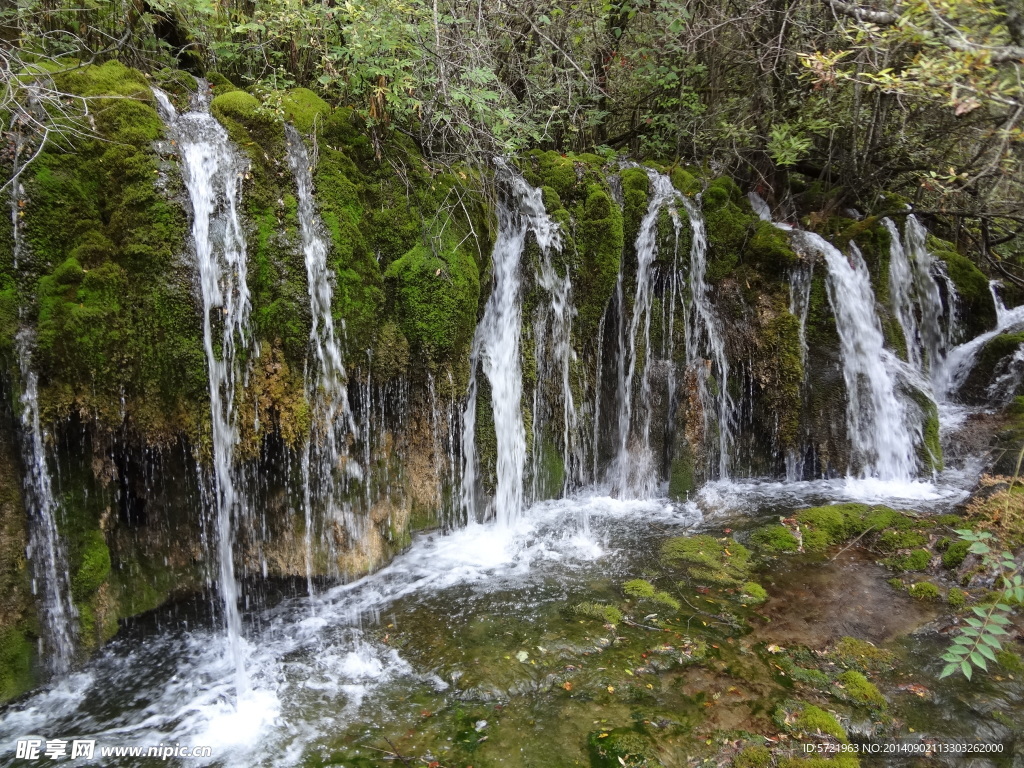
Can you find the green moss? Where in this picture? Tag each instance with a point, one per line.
(16, 653)
(861, 690)
(681, 481)
(304, 109)
(925, 591)
(707, 559)
(955, 554)
(811, 719)
(606, 613)
(956, 598)
(621, 747)
(117, 330)
(600, 240)
(754, 593)
(436, 297)
(977, 311)
(94, 567)
(639, 588)
(914, 561)
(853, 652)
(634, 196)
(757, 756)
(769, 248)
(892, 541)
(236, 105)
(830, 521)
(774, 539)
(1010, 661)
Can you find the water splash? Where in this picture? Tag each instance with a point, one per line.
(883, 442)
(213, 173)
(496, 347)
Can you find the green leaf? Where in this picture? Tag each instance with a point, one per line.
(948, 670)
(966, 669)
(979, 611)
(987, 652)
(974, 622)
(979, 661)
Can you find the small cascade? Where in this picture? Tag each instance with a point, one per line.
(496, 348)
(960, 360)
(705, 346)
(213, 172)
(552, 333)
(444, 433)
(325, 377)
(877, 422)
(633, 472)
(799, 306)
(917, 299)
(50, 583)
(1008, 378)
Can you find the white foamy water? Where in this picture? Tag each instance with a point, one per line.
(882, 434)
(315, 662)
(213, 171)
(496, 348)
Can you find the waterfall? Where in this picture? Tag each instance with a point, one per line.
(325, 376)
(633, 472)
(45, 551)
(960, 360)
(553, 352)
(1007, 380)
(799, 306)
(705, 345)
(213, 172)
(917, 299)
(876, 418)
(496, 346)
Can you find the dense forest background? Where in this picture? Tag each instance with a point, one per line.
(923, 98)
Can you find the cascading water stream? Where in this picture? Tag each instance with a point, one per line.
(213, 172)
(325, 375)
(633, 472)
(960, 360)
(917, 299)
(496, 347)
(882, 440)
(705, 345)
(552, 333)
(45, 551)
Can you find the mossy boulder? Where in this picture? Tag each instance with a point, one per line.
(986, 364)
(860, 690)
(436, 297)
(707, 560)
(304, 109)
(977, 310)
